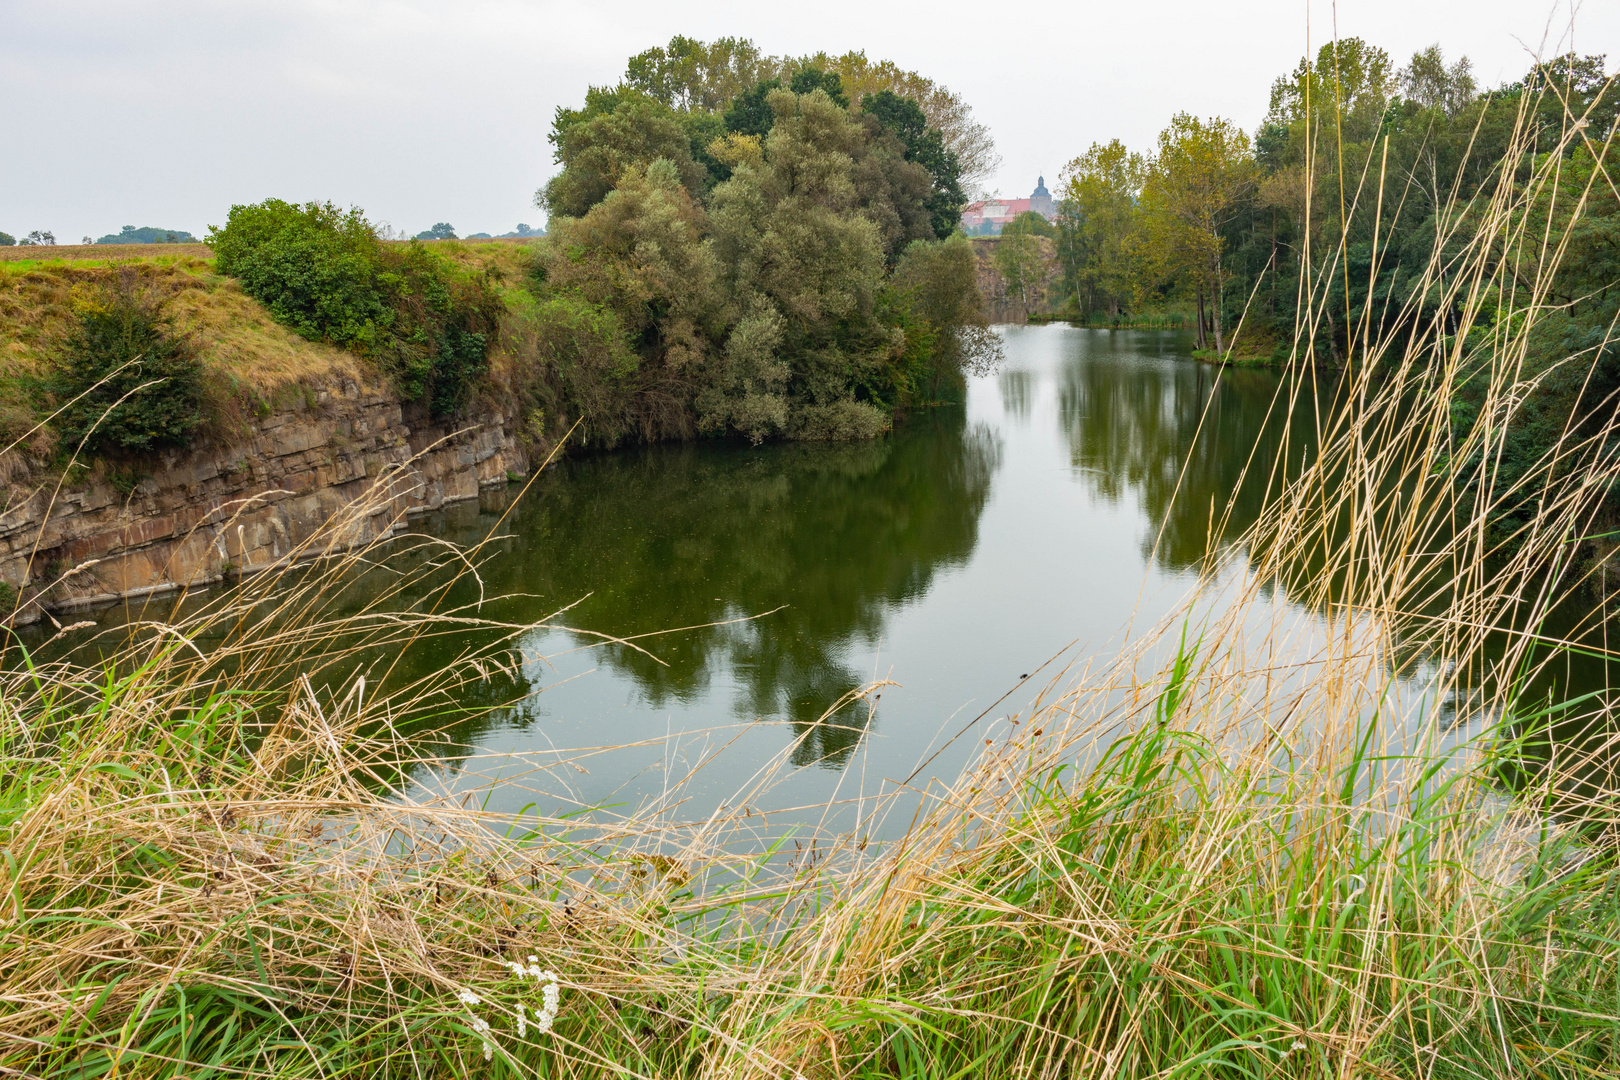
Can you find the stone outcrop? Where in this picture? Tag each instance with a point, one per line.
(343, 466)
(1000, 305)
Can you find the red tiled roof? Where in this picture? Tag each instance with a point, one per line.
(1014, 207)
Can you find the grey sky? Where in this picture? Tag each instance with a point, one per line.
(164, 113)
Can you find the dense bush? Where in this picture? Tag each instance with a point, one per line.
(442, 322)
(324, 272)
(314, 266)
(125, 378)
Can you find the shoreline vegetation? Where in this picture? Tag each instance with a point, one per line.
(1226, 853)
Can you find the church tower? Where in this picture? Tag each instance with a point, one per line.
(1040, 200)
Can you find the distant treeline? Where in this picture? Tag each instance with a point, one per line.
(129, 234)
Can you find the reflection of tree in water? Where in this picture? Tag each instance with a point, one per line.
(1017, 389)
(1134, 427)
(686, 536)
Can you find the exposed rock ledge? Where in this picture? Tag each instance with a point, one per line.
(343, 467)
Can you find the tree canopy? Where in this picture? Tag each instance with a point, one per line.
(734, 248)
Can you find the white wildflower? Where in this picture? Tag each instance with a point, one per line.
(523, 1022)
(468, 997)
(533, 959)
(481, 1026)
(550, 996)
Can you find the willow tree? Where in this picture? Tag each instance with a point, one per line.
(1203, 172)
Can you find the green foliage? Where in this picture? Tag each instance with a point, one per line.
(617, 131)
(810, 79)
(125, 378)
(129, 234)
(7, 240)
(905, 119)
(1097, 225)
(314, 266)
(802, 266)
(944, 317)
(697, 76)
(323, 272)
(1024, 260)
(443, 323)
(1030, 223)
(750, 113)
(742, 259)
(1365, 181)
(441, 231)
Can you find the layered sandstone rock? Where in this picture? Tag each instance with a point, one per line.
(343, 466)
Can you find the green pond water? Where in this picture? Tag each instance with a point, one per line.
(1068, 500)
(952, 559)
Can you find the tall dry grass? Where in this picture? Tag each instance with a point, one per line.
(1250, 846)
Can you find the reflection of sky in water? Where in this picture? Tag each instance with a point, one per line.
(1073, 453)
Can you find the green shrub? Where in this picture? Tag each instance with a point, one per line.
(326, 274)
(443, 323)
(314, 266)
(127, 379)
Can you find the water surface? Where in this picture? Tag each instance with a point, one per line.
(951, 559)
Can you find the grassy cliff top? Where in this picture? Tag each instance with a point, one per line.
(247, 356)
(60, 253)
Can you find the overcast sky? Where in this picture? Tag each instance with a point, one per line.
(145, 112)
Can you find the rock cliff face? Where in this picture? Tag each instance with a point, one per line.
(342, 467)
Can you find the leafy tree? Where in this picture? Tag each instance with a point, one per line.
(1192, 189)
(314, 266)
(1024, 260)
(1032, 223)
(750, 113)
(801, 267)
(810, 79)
(7, 240)
(945, 111)
(616, 131)
(441, 323)
(904, 118)
(1428, 83)
(324, 272)
(695, 77)
(690, 75)
(720, 249)
(126, 378)
(949, 329)
(1099, 194)
(639, 254)
(39, 239)
(441, 231)
(1347, 88)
